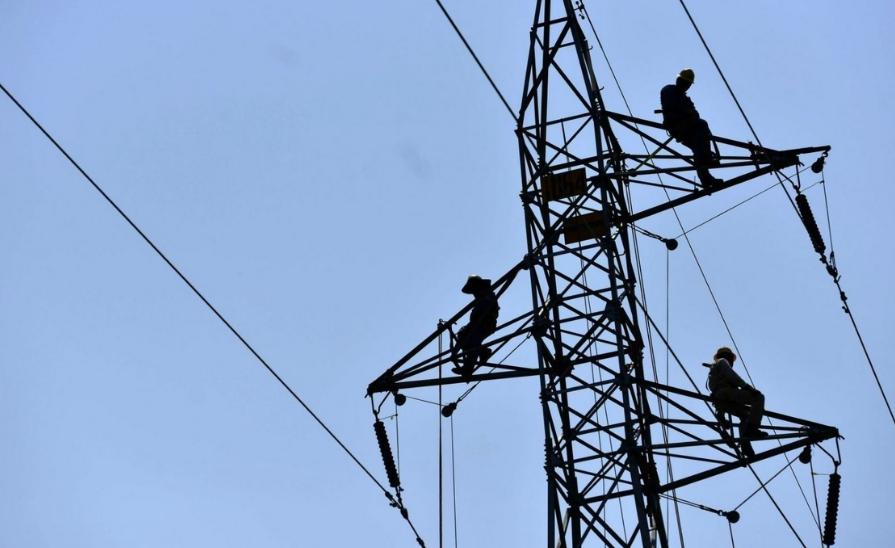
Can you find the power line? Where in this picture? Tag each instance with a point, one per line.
(721, 72)
(842, 295)
(476, 59)
(208, 304)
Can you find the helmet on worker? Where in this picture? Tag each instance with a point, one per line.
(686, 77)
(726, 353)
(475, 283)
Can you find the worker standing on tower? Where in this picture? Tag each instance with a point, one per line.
(682, 121)
(468, 352)
(731, 394)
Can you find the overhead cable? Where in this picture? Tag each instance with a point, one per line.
(720, 72)
(208, 304)
(476, 59)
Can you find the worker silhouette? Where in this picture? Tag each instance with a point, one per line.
(731, 394)
(682, 121)
(468, 352)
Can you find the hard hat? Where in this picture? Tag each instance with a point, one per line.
(473, 283)
(687, 75)
(726, 353)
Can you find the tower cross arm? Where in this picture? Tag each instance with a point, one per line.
(783, 159)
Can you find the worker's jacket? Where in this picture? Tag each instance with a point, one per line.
(722, 375)
(677, 108)
(483, 317)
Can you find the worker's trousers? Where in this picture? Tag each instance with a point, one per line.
(696, 135)
(469, 343)
(747, 405)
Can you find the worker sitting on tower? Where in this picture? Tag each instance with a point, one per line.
(682, 121)
(468, 352)
(731, 394)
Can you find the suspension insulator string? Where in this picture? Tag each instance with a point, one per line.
(388, 460)
(810, 223)
(832, 509)
(391, 470)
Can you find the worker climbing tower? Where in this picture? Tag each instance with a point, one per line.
(612, 432)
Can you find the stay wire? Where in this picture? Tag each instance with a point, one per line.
(204, 300)
(477, 61)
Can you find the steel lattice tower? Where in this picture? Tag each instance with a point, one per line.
(604, 426)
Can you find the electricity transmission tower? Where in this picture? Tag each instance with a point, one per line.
(617, 440)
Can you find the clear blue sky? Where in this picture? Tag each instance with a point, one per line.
(329, 174)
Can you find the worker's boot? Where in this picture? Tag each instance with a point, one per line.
(706, 178)
(746, 449)
(753, 434)
(465, 365)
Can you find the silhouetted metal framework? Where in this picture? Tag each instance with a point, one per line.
(604, 425)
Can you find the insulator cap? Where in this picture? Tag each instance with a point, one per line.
(733, 516)
(671, 244)
(448, 409)
(805, 455)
